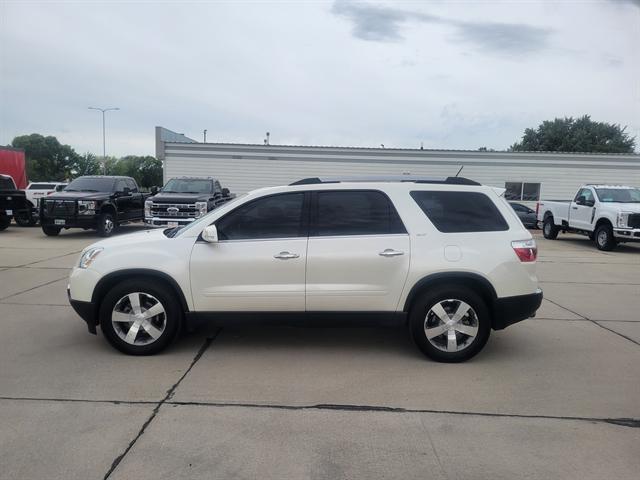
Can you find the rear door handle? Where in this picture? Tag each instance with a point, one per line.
(286, 255)
(390, 252)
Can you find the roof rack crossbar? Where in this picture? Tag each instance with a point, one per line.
(397, 178)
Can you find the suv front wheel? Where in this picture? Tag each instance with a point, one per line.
(450, 324)
(140, 316)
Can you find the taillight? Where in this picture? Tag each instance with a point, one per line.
(526, 250)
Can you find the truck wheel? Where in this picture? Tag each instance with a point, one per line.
(604, 238)
(25, 219)
(50, 230)
(4, 222)
(106, 225)
(450, 324)
(549, 229)
(140, 316)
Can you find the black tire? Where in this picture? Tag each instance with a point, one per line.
(106, 224)
(4, 222)
(50, 230)
(24, 219)
(451, 296)
(604, 238)
(549, 229)
(169, 322)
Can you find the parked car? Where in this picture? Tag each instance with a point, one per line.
(607, 214)
(184, 199)
(93, 202)
(12, 201)
(34, 192)
(526, 215)
(449, 258)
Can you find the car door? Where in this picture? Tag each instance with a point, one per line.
(122, 200)
(582, 208)
(358, 253)
(259, 262)
(136, 210)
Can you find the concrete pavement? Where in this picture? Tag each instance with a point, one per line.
(553, 397)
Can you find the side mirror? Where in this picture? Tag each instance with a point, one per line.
(581, 200)
(126, 191)
(154, 190)
(210, 234)
(225, 192)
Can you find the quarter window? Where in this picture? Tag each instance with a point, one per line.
(456, 212)
(277, 216)
(356, 212)
(520, 191)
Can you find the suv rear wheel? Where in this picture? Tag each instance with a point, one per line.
(450, 323)
(140, 316)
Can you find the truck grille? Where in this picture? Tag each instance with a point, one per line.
(60, 208)
(177, 210)
(634, 220)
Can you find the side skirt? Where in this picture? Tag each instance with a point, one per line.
(299, 319)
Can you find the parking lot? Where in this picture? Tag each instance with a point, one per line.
(557, 396)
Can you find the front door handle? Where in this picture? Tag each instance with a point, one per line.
(575, 208)
(390, 252)
(286, 255)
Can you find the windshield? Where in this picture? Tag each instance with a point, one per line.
(6, 183)
(618, 195)
(172, 232)
(187, 185)
(90, 184)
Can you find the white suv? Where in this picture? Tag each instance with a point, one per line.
(449, 258)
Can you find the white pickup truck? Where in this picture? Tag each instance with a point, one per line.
(608, 214)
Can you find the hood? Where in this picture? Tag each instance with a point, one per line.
(625, 207)
(180, 197)
(130, 238)
(78, 196)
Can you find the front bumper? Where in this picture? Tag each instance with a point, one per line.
(90, 221)
(627, 234)
(510, 310)
(88, 311)
(164, 222)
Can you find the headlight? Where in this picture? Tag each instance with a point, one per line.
(201, 208)
(86, 207)
(147, 208)
(89, 256)
(623, 219)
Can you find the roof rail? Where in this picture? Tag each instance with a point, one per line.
(393, 178)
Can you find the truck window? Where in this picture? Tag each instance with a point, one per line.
(587, 193)
(457, 212)
(132, 185)
(91, 184)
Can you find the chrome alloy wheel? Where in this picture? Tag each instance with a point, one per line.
(139, 318)
(451, 325)
(108, 225)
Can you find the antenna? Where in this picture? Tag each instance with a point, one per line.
(460, 170)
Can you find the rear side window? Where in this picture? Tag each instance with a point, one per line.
(356, 212)
(456, 212)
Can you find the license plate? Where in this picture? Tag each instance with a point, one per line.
(58, 221)
(172, 224)
(9, 212)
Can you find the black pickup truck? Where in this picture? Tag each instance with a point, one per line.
(12, 201)
(184, 199)
(93, 202)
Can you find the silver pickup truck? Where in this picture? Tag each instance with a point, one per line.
(608, 214)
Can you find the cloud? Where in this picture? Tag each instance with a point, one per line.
(380, 24)
(384, 24)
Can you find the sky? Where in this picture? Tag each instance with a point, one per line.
(441, 74)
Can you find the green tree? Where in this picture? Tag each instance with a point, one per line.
(146, 170)
(47, 158)
(87, 164)
(576, 135)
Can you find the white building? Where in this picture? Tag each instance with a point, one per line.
(527, 176)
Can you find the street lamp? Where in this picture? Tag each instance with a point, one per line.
(103, 110)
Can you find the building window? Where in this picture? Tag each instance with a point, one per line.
(527, 192)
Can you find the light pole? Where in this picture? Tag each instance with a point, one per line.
(103, 110)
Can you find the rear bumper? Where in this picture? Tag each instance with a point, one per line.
(510, 310)
(87, 311)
